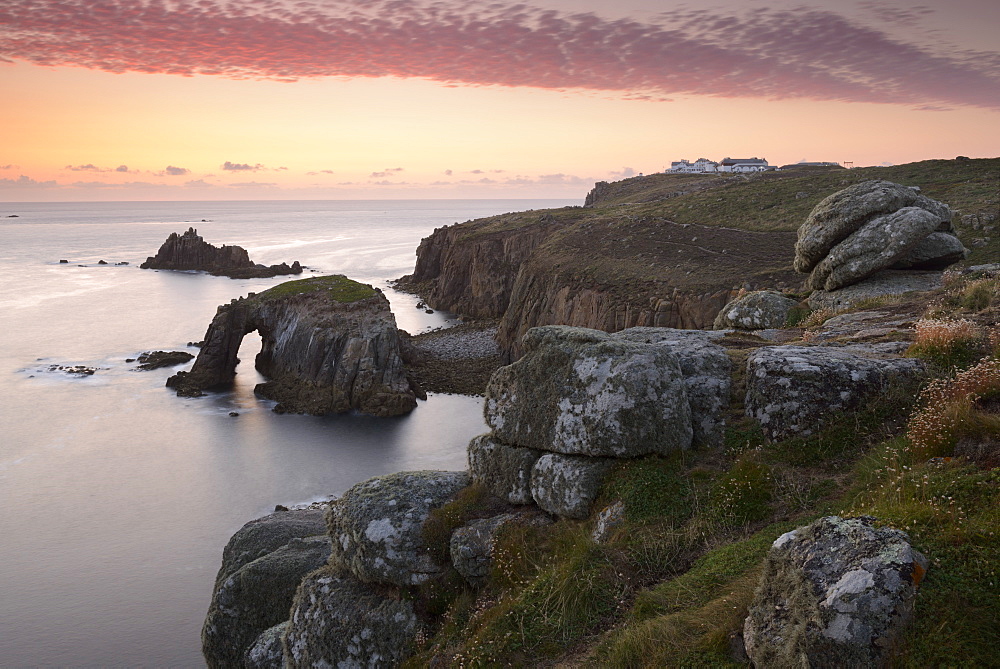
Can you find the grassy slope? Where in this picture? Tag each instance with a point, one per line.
(672, 586)
(625, 245)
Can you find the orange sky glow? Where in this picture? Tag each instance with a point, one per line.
(263, 99)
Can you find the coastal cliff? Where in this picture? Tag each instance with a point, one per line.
(190, 251)
(329, 345)
(665, 250)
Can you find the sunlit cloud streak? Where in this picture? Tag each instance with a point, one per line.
(763, 53)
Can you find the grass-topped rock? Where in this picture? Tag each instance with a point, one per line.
(329, 345)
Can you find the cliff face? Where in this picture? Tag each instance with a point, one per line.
(329, 345)
(471, 269)
(600, 271)
(191, 252)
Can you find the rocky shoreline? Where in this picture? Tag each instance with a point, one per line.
(457, 360)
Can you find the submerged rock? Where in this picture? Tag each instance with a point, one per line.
(190, 251)
(579, 391)
(339, 621)
(329, 345)
(376, 526)
(157, 359)
(795, 390)
(835, 593)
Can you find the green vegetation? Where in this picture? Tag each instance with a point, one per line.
(335, 287)
(670, 585)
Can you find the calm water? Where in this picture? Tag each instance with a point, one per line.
(117, 497)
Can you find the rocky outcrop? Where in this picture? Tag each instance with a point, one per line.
(267, 651)
(340, 621)
(505, 470)
(157, 359)
(471, 548)
(795, 390)
(190, 251)
(261, 568)
(376, 525)
(835, 593)
(872, 226)
(755, 311)
(329, 345)
(579, 391)
(884, 283)
(567, 485)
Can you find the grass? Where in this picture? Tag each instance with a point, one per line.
(335, 287)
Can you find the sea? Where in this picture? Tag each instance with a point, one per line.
(116, 496)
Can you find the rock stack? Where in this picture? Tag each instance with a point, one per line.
(578, 399)
(873, 226)
(329, 345)
(190, 251)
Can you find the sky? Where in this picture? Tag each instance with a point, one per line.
(339, 99)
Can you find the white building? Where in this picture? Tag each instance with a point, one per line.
(744, 165)
(700, 165)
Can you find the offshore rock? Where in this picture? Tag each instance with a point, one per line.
(835, 593)
(267, 652)
(567, 485)
(794, 390)
(707, 371)
(878, 244)
(843, 213)
(256, 598)
(329, 345)
(157, 359)
(755, 311)
(578, 391)
(504, 470)
(376, 526)
(190, 251)
(339, 621)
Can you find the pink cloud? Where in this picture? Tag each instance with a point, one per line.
(763, 53)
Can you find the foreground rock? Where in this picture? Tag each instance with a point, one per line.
(567, 485)
(329, 345)
(261, 568)
(579, 391)
(795, 390)
(884, 283)
(190, 251)
(835, 593)
(339, 621)
(376, 526)
(755, 311)
(504, 470)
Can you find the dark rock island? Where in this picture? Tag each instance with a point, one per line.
(191, 252)
(330, 345)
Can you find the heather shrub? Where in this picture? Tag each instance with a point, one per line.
(947, 342)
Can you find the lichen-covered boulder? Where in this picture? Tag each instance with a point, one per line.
(471, 548)
(835, 593)
(267, 652)
(256, 597)
(759, 310)
(841, 214)
(886, 282)
(567, 485)
(579, 391)
(504, 470)
(376, 525)
(876, 245)
(339, 621)
(267, 534)
(707, 372)
(794, 390)
(935, 251)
